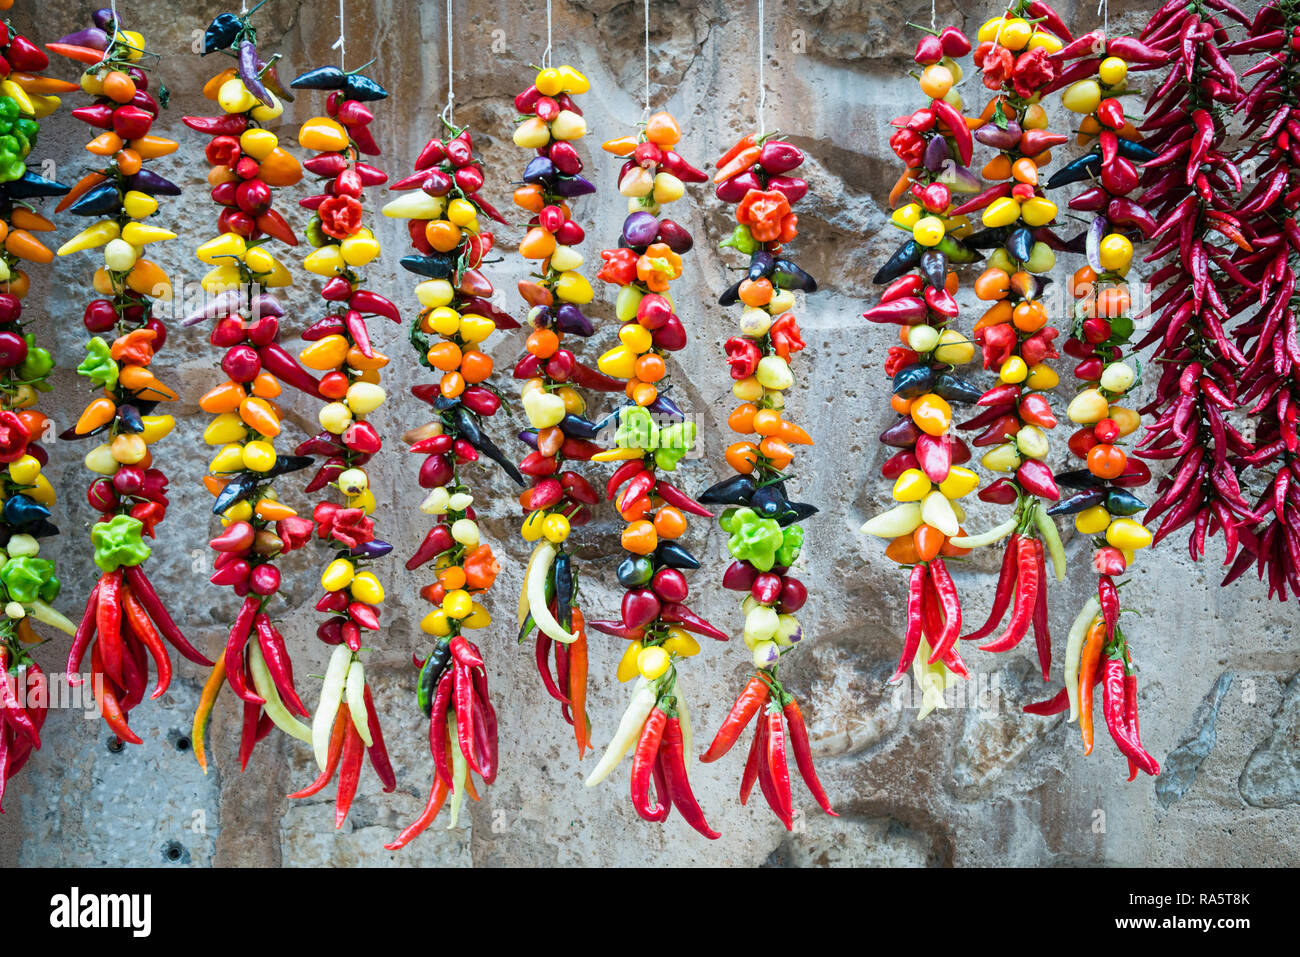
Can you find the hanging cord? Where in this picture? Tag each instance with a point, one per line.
(1103, 11)
(546, 55)
(647, 57)
(762, 85)
(341, 44)
(933, 17)
(447, 114)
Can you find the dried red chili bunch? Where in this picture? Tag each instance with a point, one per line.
(1191, 189)
(1269, 385)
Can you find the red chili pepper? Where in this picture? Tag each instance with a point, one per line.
(337, 732)
(752, 762)
(1027, 585)
(143, 628)
(643, 761)
(438, 731)
(238, 637)
(748, 703)
(779, 768)
(106, 696)
(803, 755)
(912, 639)
(82, 637)
(951, 606)
(108, 623)
(1042, 628)
(1002, 592)
(349, 774)
(464, 704)
(675, 772)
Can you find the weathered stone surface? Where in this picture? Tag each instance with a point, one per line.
(967, 786)
(1183, 763)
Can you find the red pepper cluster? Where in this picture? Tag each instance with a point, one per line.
(24, 703)
(452, 686)
(1269, 384)
(1190, 189)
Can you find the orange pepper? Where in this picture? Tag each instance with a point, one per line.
(42, 85)
(931, 413)
(451, 384)
(900, 188)
(530, 197)
(222, 398)
(148, 279)
(778, 454)
(24, 218)
(639, 538)
(269, 510)
(213, 86)
(662, 130)
(537, 243)
(903, 550)
(762, 211)
(152, 147)
(19, 284)
(756, 292)
(658, 266)
(279, 168)
(669, 522)
(794, 435)
(998, 168)
(929, 540)
(742, 456)
(21, 243)
(100, 412)
(258, 414)
(995, 315)
(266, 385)
(481, 568)
(74, 52)
(742, 418)
(620, 146)
(128, 162)
(1089, 659)
(992, 285)
(35, 422)
(105, 144)
(136, 346)
(138, 379)
(643, 393)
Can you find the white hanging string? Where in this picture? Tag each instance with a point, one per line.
(341, 43)
(1103, 10)
(762, 85)
(546, 55)
(647, 57)
(933, 19)
(447, 114)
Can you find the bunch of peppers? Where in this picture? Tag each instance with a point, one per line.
(1269, 385)
(345, 721)
(652, 434)
(927, 469)
(124, 620)
(247, 163)
(442, 211)
(1015, 56)
(28, 583)
(1190, 188)
(1102, 503)
(559, 498)
(761, 522)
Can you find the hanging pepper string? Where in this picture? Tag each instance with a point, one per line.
(341, 43)
(546, 54)
(647, 57)
(762, 85)
(447, 112)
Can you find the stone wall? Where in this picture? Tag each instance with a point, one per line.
(978, 784)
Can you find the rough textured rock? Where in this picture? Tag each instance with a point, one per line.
(976, 784)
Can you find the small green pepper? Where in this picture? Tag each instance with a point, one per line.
(636, 429)
(25, 577)
(741, 240)
(791, 543)
(754, 539)
(98, 366)
(674, 442)
(119, 542)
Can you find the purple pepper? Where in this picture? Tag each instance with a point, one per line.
(572, 186)
(998, 137)
(147, 181)
(103, 18)
(569, 318)
(529, 438)
(248, 71)
(640, 229)
(663, 405)
(265, 304)
(231, 300)
(375, 548)
(92, 37)
(936, 154)
(539, 170)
